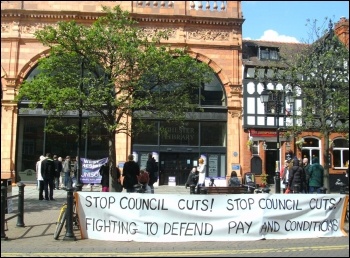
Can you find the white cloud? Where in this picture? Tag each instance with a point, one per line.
(271, 35)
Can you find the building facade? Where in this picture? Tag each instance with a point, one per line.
(233, 114)
(265, 128)
(212, 31)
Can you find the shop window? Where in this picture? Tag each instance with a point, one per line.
(174, 134)
(311, 148)
(269, 54)
(213, 134)
(148, 136)
(340, 153)
(255, 148)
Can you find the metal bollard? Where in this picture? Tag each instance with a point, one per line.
(69, 217)
(20, 217)
(3, 201)
(277, 180)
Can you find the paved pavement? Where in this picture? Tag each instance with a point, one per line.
(36, 238)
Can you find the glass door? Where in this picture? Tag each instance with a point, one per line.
(176, 165)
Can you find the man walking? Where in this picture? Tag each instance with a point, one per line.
(48, 173)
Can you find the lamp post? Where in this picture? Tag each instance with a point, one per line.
(278, 101)
(79, 185)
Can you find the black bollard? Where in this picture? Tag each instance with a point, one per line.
(3, 202)
(20, 217)
(277, 182)
(69, 217)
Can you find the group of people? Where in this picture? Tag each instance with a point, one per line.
(197, 175)
(298, 176)
(115, 174)
(132, 175)
(50, 171)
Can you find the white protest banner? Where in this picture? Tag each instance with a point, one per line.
(182, 218)
(91, 170)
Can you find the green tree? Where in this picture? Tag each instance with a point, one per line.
(113, 70)
(320, 77)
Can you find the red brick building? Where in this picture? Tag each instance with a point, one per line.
(213, 34)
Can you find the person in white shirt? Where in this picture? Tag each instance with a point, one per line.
(201, 172)
(40, 178)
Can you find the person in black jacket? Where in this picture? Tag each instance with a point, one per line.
(104, 172)
(131, 171)
(296, 180)
(58, 170)
(152, 169)
(48, 174)
(192, 178)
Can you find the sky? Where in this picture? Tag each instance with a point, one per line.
(285, 21)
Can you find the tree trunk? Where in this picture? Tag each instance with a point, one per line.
(326, 163)
(111, 160)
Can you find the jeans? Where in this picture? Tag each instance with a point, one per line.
(67, 182)
(41, 189)
(57, 182)
(48, 183)
(313, 189)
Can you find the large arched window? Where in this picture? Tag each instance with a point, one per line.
(340, 153)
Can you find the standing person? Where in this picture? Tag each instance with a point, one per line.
(192, 178)
(306, 166)
(152, 169)
(58, 170)
(75, 171)
(67, 169)
(285, 175)
(143, 179)
(116, 184)
(61, 173)
(234, 180)
(296, 177)
(40, 178)
(48, 173)
(104, 172)
(201, 172)
(315, 176)
(131, 171)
